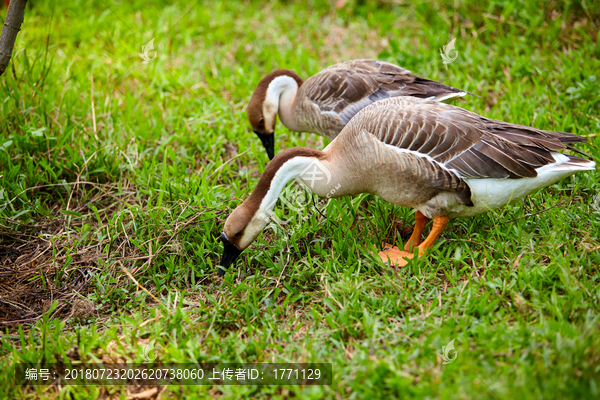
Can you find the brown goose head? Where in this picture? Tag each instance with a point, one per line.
(262, 110)
(241, 229)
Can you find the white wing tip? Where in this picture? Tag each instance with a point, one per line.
(585, 165)
(566, 163)
(447, 96)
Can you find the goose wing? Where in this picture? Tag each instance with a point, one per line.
(445, 144)
(348, 87)
(462, 141)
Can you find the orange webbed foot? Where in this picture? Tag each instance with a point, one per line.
(394, 256)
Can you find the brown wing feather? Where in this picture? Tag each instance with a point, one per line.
(348, 87)
(430, 177)
(462, 141)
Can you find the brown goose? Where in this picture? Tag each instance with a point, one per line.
(439, 159)
(328, 100)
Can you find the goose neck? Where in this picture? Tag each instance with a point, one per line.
(310, 166)
(281, 97)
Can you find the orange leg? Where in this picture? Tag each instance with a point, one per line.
(415, 238)
(439, 224)
(400, 258)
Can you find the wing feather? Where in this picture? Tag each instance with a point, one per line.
(462, 141)
(348, 87)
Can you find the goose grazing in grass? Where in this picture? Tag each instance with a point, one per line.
(328, 100)
(439, 159)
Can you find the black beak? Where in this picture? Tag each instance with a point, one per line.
(268, 140)
(230, 253)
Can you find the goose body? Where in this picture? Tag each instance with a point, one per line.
(439, 159)
(327, 101)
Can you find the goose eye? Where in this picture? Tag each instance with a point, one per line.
(238, 234)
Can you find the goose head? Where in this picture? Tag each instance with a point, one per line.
(242, 227)
(265, 104)
(249, 219)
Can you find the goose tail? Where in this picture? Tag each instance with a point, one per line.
(566, 162)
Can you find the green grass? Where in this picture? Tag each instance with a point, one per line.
(142, 180)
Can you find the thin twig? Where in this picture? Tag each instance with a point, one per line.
(93, 108)
(51, 185)
(283, 270)
(225, 163)
(328, 293)
(530, 215)
(137, 283)
(152, 256)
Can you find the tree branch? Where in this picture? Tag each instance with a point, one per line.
(10, 29)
